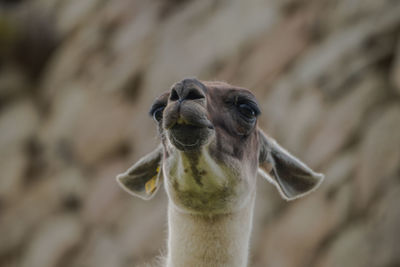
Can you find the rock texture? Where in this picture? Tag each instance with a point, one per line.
(77, 79)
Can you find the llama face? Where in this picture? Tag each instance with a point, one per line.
(211, 149)
(192, 113)
(209, 136)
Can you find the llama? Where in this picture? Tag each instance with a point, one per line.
(210, 153)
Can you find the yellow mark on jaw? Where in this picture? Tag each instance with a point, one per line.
(181, 120)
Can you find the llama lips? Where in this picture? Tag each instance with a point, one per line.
(189, 137)
(185, 116)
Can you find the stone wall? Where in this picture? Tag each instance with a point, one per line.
(76, 81)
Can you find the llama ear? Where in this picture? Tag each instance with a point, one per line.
(144, 178)
(291, 176)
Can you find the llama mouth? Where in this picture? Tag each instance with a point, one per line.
(189, 137)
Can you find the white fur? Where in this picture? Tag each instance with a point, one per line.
(195, 240)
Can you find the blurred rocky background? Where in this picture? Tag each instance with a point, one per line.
(77, 79)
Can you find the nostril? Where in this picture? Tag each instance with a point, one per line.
(194, 94)
(174, 95)
(186, 94)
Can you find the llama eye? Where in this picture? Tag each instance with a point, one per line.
(158, 113)
(247, 111)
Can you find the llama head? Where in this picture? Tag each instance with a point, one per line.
(211, 150)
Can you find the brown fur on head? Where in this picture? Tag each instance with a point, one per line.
(211, 151)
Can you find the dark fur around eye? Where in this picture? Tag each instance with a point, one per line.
(248, 109)
(156, 111)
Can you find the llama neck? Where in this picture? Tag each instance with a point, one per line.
(220, 240)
